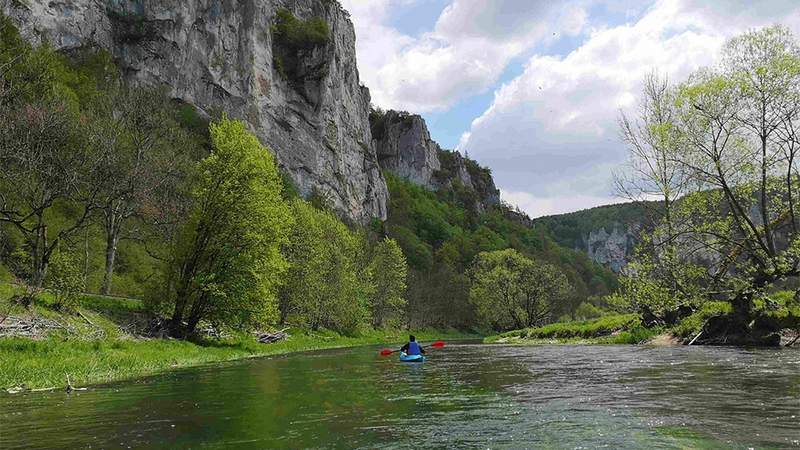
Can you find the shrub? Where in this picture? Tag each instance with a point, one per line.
(602, 326)
(66, 281)
(297, 34)
(690, 326)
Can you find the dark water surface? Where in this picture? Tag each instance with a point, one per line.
(465, 396)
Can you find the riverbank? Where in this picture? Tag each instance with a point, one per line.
(98, 344)
(784, 319)
(611, 329)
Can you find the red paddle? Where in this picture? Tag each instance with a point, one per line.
(437, 344)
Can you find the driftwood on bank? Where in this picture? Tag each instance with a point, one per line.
(695, 338)
(793, 341)
(70, 387)
(31, 327)
(269, 338)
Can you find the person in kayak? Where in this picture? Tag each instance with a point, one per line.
(412, 347)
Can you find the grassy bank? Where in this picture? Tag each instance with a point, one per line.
(93, 347)
(611, 329)
(780, 312)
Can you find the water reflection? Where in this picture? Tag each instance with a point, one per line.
(465, 396)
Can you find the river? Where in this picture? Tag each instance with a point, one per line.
(465, 396)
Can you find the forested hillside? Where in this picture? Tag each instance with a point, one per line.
(572, 229)
(442, 232)
(115, 188)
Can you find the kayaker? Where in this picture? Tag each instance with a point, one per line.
(412, 347)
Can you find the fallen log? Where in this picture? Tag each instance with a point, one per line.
(269, 338)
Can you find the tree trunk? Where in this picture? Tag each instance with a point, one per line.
(191, 324)
(111, 254)
(40, 258)
(742, 310)
(112, 240)
(39, 272)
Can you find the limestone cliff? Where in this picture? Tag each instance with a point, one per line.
(405, 148)
(608, 234)
(223, 56)
(613, 248)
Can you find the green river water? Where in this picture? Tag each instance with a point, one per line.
(465, 396)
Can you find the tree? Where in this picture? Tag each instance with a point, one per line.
(45, 157)
(325, 286)
(652, 171)
(228, 263)
(510, 290)
(389, 271)
(46, 161)
(66, 281)
(657, 281)
(148, 152)
(735, 125)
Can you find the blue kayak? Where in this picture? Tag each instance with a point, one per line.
(411, 358)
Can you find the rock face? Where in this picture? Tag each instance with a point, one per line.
(613, 249)
(405, 148)
(608, 234)
(457, 169)
(221, 56)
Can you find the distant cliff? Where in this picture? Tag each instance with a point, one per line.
(405, 148)
(608, 234)
(302, 99)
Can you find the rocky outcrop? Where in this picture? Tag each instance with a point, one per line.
(458, 170)
(612, 249)
(221, 56)
(405, 148)
(608, 234)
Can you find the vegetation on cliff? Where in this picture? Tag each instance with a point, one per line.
(572, 229)
(293, 39)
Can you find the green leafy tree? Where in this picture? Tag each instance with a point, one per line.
(510, 290)
(325, 286)
(46, 159)
(46, 162)
(389, 271)
(228, 262)
(148, 153)
(736, 128)
(65, 279)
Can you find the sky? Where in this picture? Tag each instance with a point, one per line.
(534, 89)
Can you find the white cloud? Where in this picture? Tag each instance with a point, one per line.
(550, 206)
(550, 135)
(464, 55)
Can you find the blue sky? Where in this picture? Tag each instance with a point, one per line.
(533, 89)
(447, 127)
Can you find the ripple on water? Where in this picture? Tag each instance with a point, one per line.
(466, 396)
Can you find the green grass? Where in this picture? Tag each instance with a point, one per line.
(5, 274)
(690, 326)
(91, 357)
(611, 329)
(45, 363)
